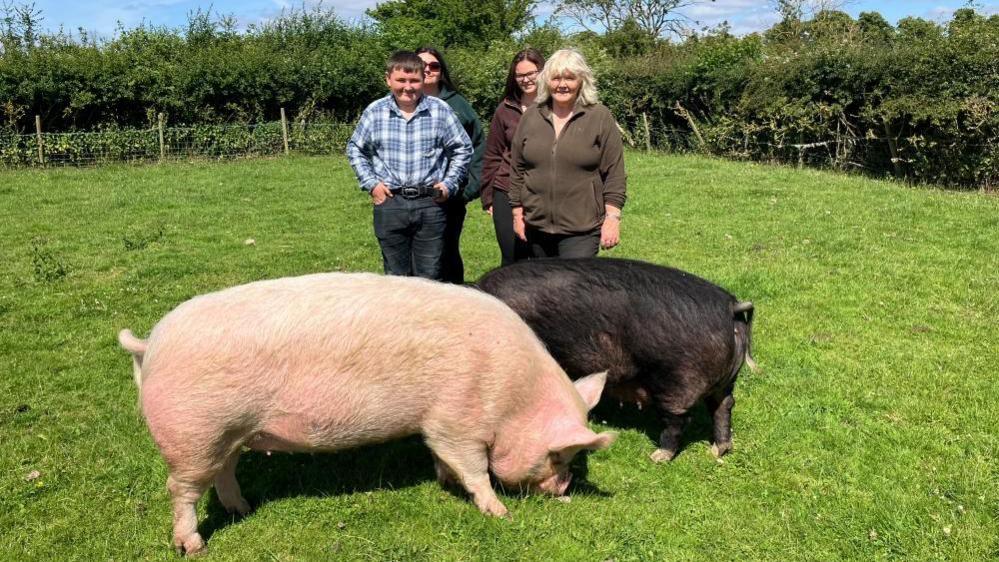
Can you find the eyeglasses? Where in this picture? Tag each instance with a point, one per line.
(432, 66)
(527, 76)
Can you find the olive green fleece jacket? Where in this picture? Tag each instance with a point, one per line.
(470, 121)
(563, 184)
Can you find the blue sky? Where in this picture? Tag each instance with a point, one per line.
(744, 16)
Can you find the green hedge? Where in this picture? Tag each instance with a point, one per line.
(917, 100)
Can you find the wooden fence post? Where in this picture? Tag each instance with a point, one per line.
(648, 134)
(284, 131)
(38, 135)
(682, 112)
(893, 148)
(162, 145)
(801, 150)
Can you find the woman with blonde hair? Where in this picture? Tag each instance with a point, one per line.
(567, 180)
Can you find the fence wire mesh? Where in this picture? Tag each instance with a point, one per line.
(179, 143)
(900, 157)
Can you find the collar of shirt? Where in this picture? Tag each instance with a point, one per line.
(512, 104)
(421, 106)
(546, 110)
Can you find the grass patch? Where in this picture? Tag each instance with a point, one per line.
(871, 433)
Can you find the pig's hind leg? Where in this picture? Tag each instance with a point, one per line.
(674, 394)
(721, 412)
(193, 469)
(669, 439)
(468, 461)
(227, 488)
(185, 494)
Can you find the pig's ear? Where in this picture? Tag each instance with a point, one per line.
(590, 387)
(601, 441)
(582, 438)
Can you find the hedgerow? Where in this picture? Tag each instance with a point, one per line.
(917, 100)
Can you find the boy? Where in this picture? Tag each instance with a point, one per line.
(410, 153)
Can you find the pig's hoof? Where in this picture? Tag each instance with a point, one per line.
(193, 545)
(720, 449)
(240, 508)
(662, 455)
(496, 509)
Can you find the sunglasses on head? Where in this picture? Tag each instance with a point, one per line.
(432, 66)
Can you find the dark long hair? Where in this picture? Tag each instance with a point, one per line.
(512, 90)
(445, 75)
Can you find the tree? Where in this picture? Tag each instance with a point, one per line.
(875, 27)
(797, 10)
(21, 24)
(451, 23)
(652, 17)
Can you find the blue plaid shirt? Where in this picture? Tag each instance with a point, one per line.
(431, 147)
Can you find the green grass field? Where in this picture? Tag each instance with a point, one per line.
(870, 434)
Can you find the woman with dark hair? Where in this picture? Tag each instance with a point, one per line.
(437, 82)
(521, 89)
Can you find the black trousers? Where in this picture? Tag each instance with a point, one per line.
(511, 248)
(410, 233)
(545, 245)
(452, 266)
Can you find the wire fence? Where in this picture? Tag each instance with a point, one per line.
(164, 143)
(965, 161)
(957, 162)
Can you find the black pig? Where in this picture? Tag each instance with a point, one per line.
(666, 337)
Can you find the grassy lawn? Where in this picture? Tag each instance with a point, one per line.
(870, 434)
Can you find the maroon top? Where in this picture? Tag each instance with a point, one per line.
(496, 161)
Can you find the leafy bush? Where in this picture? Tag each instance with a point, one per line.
(915, 101)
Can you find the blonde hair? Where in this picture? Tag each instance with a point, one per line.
(568, 61)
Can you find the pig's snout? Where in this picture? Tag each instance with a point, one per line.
(557, 484)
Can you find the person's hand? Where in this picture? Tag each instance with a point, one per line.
(489, 210)
(380, 193)
(443, 193)
(610, 232)
(519, 226)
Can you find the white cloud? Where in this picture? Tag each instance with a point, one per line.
(348, 10)
(945, 12)
(743, 16)
(724, 8)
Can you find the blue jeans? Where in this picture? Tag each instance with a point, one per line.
(411, 235)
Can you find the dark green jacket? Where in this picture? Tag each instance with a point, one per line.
(564, 184)
(470, 121)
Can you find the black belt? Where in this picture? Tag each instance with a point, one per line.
(416, 192)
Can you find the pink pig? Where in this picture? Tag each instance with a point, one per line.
(331, 361)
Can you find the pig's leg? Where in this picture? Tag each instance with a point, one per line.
(722, 413)
(445, 477)
(669, 439)
(469, 462)
(185, 495)
(227, 488)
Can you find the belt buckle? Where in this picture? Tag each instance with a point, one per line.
(410, 192)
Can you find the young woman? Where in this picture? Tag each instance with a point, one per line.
(437, 82)
(567, 180)
(521, 90)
